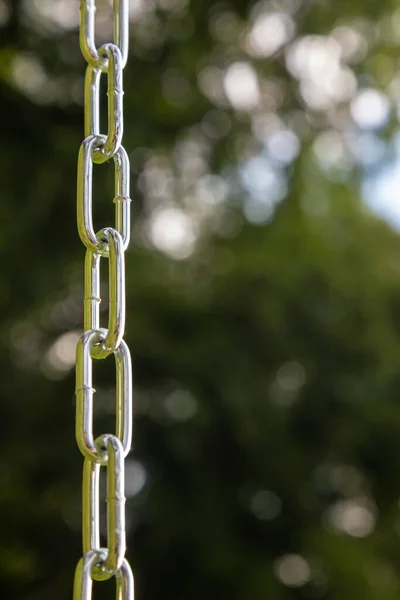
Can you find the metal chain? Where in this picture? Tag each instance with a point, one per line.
(108, 450)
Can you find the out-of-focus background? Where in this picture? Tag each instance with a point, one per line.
(263, 286)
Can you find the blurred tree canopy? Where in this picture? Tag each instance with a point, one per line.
(263, 297)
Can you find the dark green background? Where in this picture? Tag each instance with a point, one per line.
(266, 362)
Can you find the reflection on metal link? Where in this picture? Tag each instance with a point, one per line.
(83, 577)
(112, 448)
(85, 190)
(115, 94)
(121, 32)
(108, 450)
(85, 392)
(116, 313)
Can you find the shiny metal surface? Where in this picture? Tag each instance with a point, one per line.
(107, 149)
(85, 195)
(92, 55)
(116, 313)
(83, 580)
(107, 451)
(111, 448)
(85, 391)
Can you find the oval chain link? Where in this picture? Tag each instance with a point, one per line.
(112, 447)
(87, 34)
(108, 450)
(115, 93)
(116, 270)
(84, 195)
(85, 391)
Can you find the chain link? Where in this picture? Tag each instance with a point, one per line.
(115, 95)
(121, 32)
(84, 195)
(84, 394)
(116, 269)
(108, 450)
(111, 446)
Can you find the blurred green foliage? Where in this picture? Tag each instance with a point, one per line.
(263, 296)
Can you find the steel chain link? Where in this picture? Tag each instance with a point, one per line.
(108, 450)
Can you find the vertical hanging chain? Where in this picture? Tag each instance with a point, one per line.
(108, 450)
